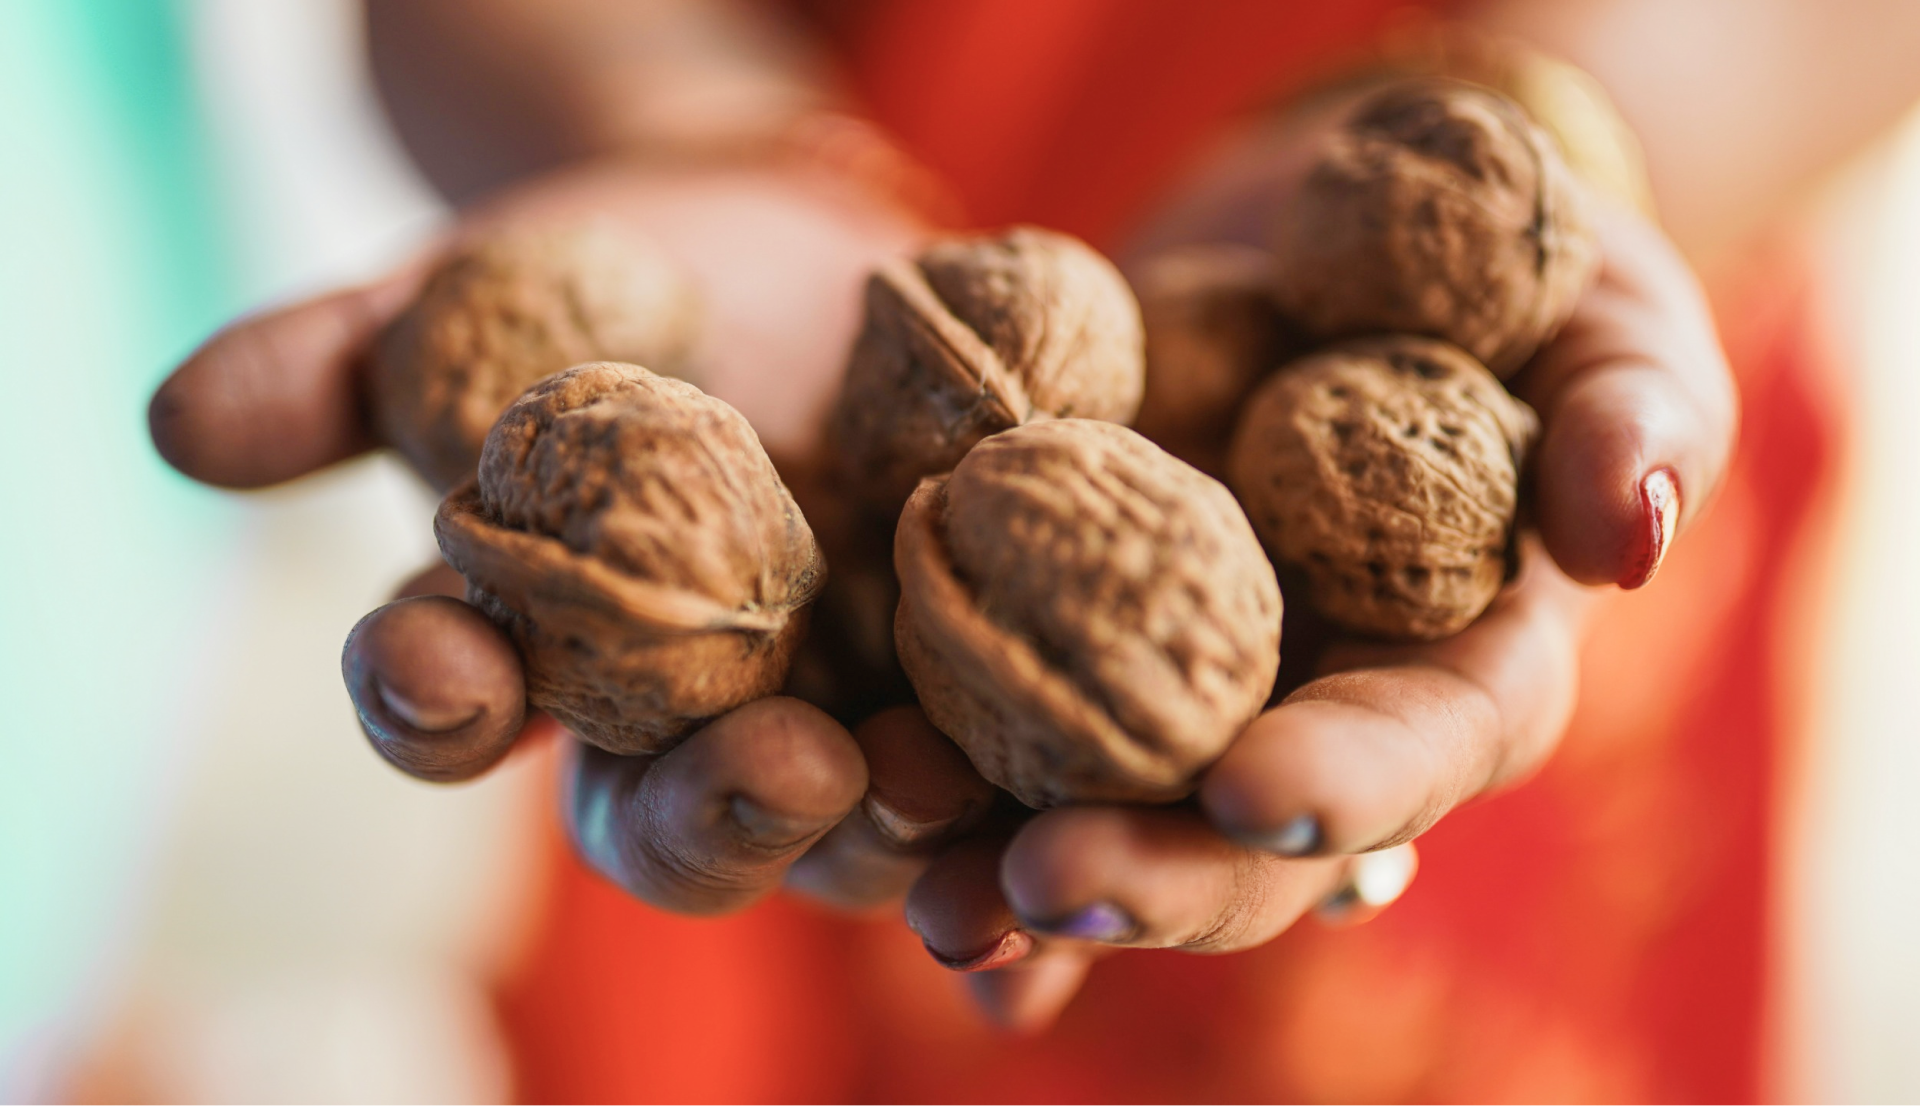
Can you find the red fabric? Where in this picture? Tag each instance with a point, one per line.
(1072, 113)
(1599, 933)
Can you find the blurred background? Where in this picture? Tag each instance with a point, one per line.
(210, 889)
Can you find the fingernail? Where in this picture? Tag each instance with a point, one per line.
(1010, 946)
(900, 830)
(1660, 501)
(1300, 836)
(1374, 881)
(422, 718)
(1102, 921)
(769, 829)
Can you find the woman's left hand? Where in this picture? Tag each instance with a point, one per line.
(1315, 802)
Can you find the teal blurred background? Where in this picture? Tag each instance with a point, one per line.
(209, 887)
(114, 261)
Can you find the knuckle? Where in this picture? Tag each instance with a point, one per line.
(1246, 916)
(676, 867)
(622, 834)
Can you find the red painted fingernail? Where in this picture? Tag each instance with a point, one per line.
(1012, 945)
(1660, 499)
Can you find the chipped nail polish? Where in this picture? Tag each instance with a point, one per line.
(1010, 946)
(1660, 500)
(1300, 836)
(1374, 881)
(1102, 922)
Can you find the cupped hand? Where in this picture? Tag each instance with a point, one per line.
(1638, 413)
(1314, 805)
(718, 821)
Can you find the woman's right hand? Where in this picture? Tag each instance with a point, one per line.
(718, 821)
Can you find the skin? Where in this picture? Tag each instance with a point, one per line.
(1376, 747)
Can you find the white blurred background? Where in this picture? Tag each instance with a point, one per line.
(267, 913)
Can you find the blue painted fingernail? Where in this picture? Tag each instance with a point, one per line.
(1301, 836)
(1101, 921)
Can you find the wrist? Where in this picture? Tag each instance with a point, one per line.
(488, 93)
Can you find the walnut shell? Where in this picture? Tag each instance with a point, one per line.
(503, 311)
(1213, 332)
(631, 535)
(1439, 209)
(1087, 616)
(976, 335)
(1387, 469)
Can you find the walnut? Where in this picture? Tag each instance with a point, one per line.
(976, 335)
(1439, 209)
(630, 534)
(505, 310)
(1386, 469)
(1088, 617)
(1213, 331)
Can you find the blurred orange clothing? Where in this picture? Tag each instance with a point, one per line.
(1600, 933)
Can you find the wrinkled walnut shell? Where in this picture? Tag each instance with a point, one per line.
(629, 533)
(976, 335)
(1088, 617)
(1213, 332)
(1439, 209)
(503, 311)
(1387, 469)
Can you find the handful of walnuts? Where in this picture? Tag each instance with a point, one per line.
(1091, 617)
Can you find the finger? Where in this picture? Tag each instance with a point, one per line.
(1375, 753)
(1373, 882)
(1028, 996)
(921, 792)
(278, 395)
(438, 687)
(959, 913)
(713, 825)
(1639, 412)
(1155, 878)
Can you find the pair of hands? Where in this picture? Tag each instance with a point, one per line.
(1366, 754)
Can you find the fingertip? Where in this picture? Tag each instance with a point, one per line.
(789, 756)
(438, 688)
(1660, 505)
(922, 792)
(1058, 865)
(1371, 883)
(957, 909)
(1320, 778)
(168, 423)
(276, 395)
(1027, 999)
(1636, 384)
(1609, 435)
(1151, 878)
(922, 789)
(716, 822)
